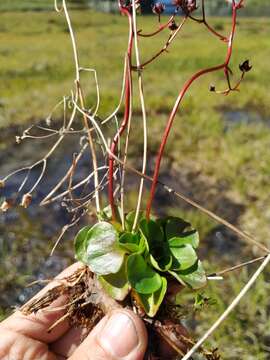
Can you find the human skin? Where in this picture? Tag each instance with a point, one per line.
(119, 335)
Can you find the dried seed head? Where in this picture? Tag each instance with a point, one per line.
(48, 121)
(186, 5)
(2, 184)
(173, 26)
(158, 8)
(26, 200)
(6, 205)
(177, 2)
(245, 66)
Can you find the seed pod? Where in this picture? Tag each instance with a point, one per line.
(245, 66)
(173, 26)
(158, 8)
(26, 200)
(190, 5)
(186, 5)
(6, 205)
(18, 139)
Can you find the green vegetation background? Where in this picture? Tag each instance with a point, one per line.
(36, 70)
(218, 7)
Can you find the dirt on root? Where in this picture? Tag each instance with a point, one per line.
(87, 303)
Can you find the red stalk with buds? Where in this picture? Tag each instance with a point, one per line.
(189, 82)
(187, 7)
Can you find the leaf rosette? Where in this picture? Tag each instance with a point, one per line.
(142, 260)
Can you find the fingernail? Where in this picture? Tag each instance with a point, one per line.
(119, 336)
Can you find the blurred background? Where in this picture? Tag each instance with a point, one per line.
(218, 153)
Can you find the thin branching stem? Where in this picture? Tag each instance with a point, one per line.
(65, 177)
(49, 200)
(205, 22)
(165, 47)
(161, 28)
(179, 99)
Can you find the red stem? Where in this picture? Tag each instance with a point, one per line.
(178, 102)
(124, 123)
(204, 21)
(165, 47)
(162, 27)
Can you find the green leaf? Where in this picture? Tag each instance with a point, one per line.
(164, 263)
(151, 231)
(175, 227)
(116, 285)
(159, 251)
(190, 237)
(141, 276)
(152, 302)
(194, 277)
(183, 256)
(80, 242)
(101, 252)
(130, 242)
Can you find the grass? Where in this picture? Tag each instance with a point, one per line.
(32, 5)
(36, 65)
(245, 333)
(215, 157)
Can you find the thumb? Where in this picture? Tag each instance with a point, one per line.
(120, 335)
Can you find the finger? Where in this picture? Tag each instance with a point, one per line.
(122, 335)
(69, 342)
(36, 325)
(15, 346)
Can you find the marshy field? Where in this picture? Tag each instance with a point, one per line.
(218, 153)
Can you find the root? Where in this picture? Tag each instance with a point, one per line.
(87, 304)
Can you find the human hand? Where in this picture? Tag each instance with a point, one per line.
(119, 335)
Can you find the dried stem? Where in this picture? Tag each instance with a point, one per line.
(79, 94)
(237, 267)
(140, 84)
(49, 199)
(229, 309)
(122, 189)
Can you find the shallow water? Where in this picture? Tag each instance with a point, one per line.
(236, 117)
